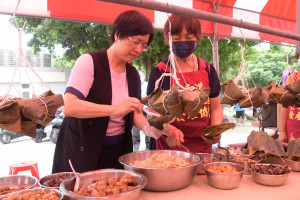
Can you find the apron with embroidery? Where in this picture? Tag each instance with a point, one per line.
(191, 128)
(293, 118)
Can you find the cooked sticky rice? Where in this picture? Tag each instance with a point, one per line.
(162, 160)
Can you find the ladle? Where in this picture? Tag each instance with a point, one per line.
(76, 185)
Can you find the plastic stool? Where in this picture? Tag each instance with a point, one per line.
(25, 166)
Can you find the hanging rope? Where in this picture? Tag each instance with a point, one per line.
(23, 60)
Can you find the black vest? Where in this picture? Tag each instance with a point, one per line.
(81, 140)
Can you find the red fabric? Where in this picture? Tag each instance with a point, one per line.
(91, 10)
(293, 119)
(191, 128)
(276, 14)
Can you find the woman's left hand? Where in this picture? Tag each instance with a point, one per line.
(175, 136)
(214, 140)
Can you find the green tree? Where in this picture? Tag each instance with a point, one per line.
(268, 65)
(75, 38)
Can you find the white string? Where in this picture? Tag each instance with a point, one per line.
(173, 70)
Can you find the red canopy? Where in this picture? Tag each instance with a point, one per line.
(272, 13)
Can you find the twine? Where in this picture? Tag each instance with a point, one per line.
(283, 95)
(229, 97)
(47, 113)
(199, 100)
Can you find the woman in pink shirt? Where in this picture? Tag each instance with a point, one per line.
(102, 101)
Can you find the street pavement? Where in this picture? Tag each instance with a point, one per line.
(25, 149)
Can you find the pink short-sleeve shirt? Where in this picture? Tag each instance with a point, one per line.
(81, 81)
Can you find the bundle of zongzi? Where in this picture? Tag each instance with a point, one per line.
(232, 93)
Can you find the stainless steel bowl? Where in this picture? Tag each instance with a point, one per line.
(64, 175)
(87, 177)
(226, 152)
(163, 179)
(18, 180)
(256, 160)
(200, 169)
(34, 191)
(295, 165)
(269, 180)
(222, 180)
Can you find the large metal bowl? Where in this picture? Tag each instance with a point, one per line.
(222, 180)
(256, 160)
(269, 180)
(295, 165)
(34, 191)
(63, 175)
(87, 177)
(200, 169)
(18, 180)
(163, 179)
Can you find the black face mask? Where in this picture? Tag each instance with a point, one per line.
(183, 49)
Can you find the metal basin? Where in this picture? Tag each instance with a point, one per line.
(34, 191)
(63, 175)
(224, 181)
(18, 180)
(163, 179)
(226, 152)
(87, 177)
(269, 180)
(256, 160)
(295, 165)
(200, 169)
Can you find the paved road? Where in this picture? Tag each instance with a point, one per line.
(25, 149)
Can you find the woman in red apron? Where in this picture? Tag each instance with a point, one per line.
(290, 117)
(194, 71)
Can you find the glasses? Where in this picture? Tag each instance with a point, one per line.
(145, 47)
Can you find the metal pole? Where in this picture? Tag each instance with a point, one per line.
(165, 7)
(298, 26)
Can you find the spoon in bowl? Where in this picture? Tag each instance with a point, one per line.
(76, 186)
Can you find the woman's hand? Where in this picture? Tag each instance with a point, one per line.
(175, 136)
(128, 105)
(282, 137)
(214, 140)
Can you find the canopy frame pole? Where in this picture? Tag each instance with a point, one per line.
(215, 43)
(298, 26)
(165, 7)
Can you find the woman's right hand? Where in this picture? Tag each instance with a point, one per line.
(175, 136)
(128, 105)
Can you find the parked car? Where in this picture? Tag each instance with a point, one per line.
(7, 136)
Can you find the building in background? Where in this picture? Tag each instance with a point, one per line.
(55, 77)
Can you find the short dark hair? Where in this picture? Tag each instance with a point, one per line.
(192, 26)
(130, 23)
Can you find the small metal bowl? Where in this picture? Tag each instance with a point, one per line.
(67, 186)
(63, 175)
(34, 191)
(226, 152)
(269, 180)
(18, 180)
(295, 165)
(223, 180)
(256, 160)
(200, 169)
(163, 179)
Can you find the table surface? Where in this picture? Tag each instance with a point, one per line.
(248, 189)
